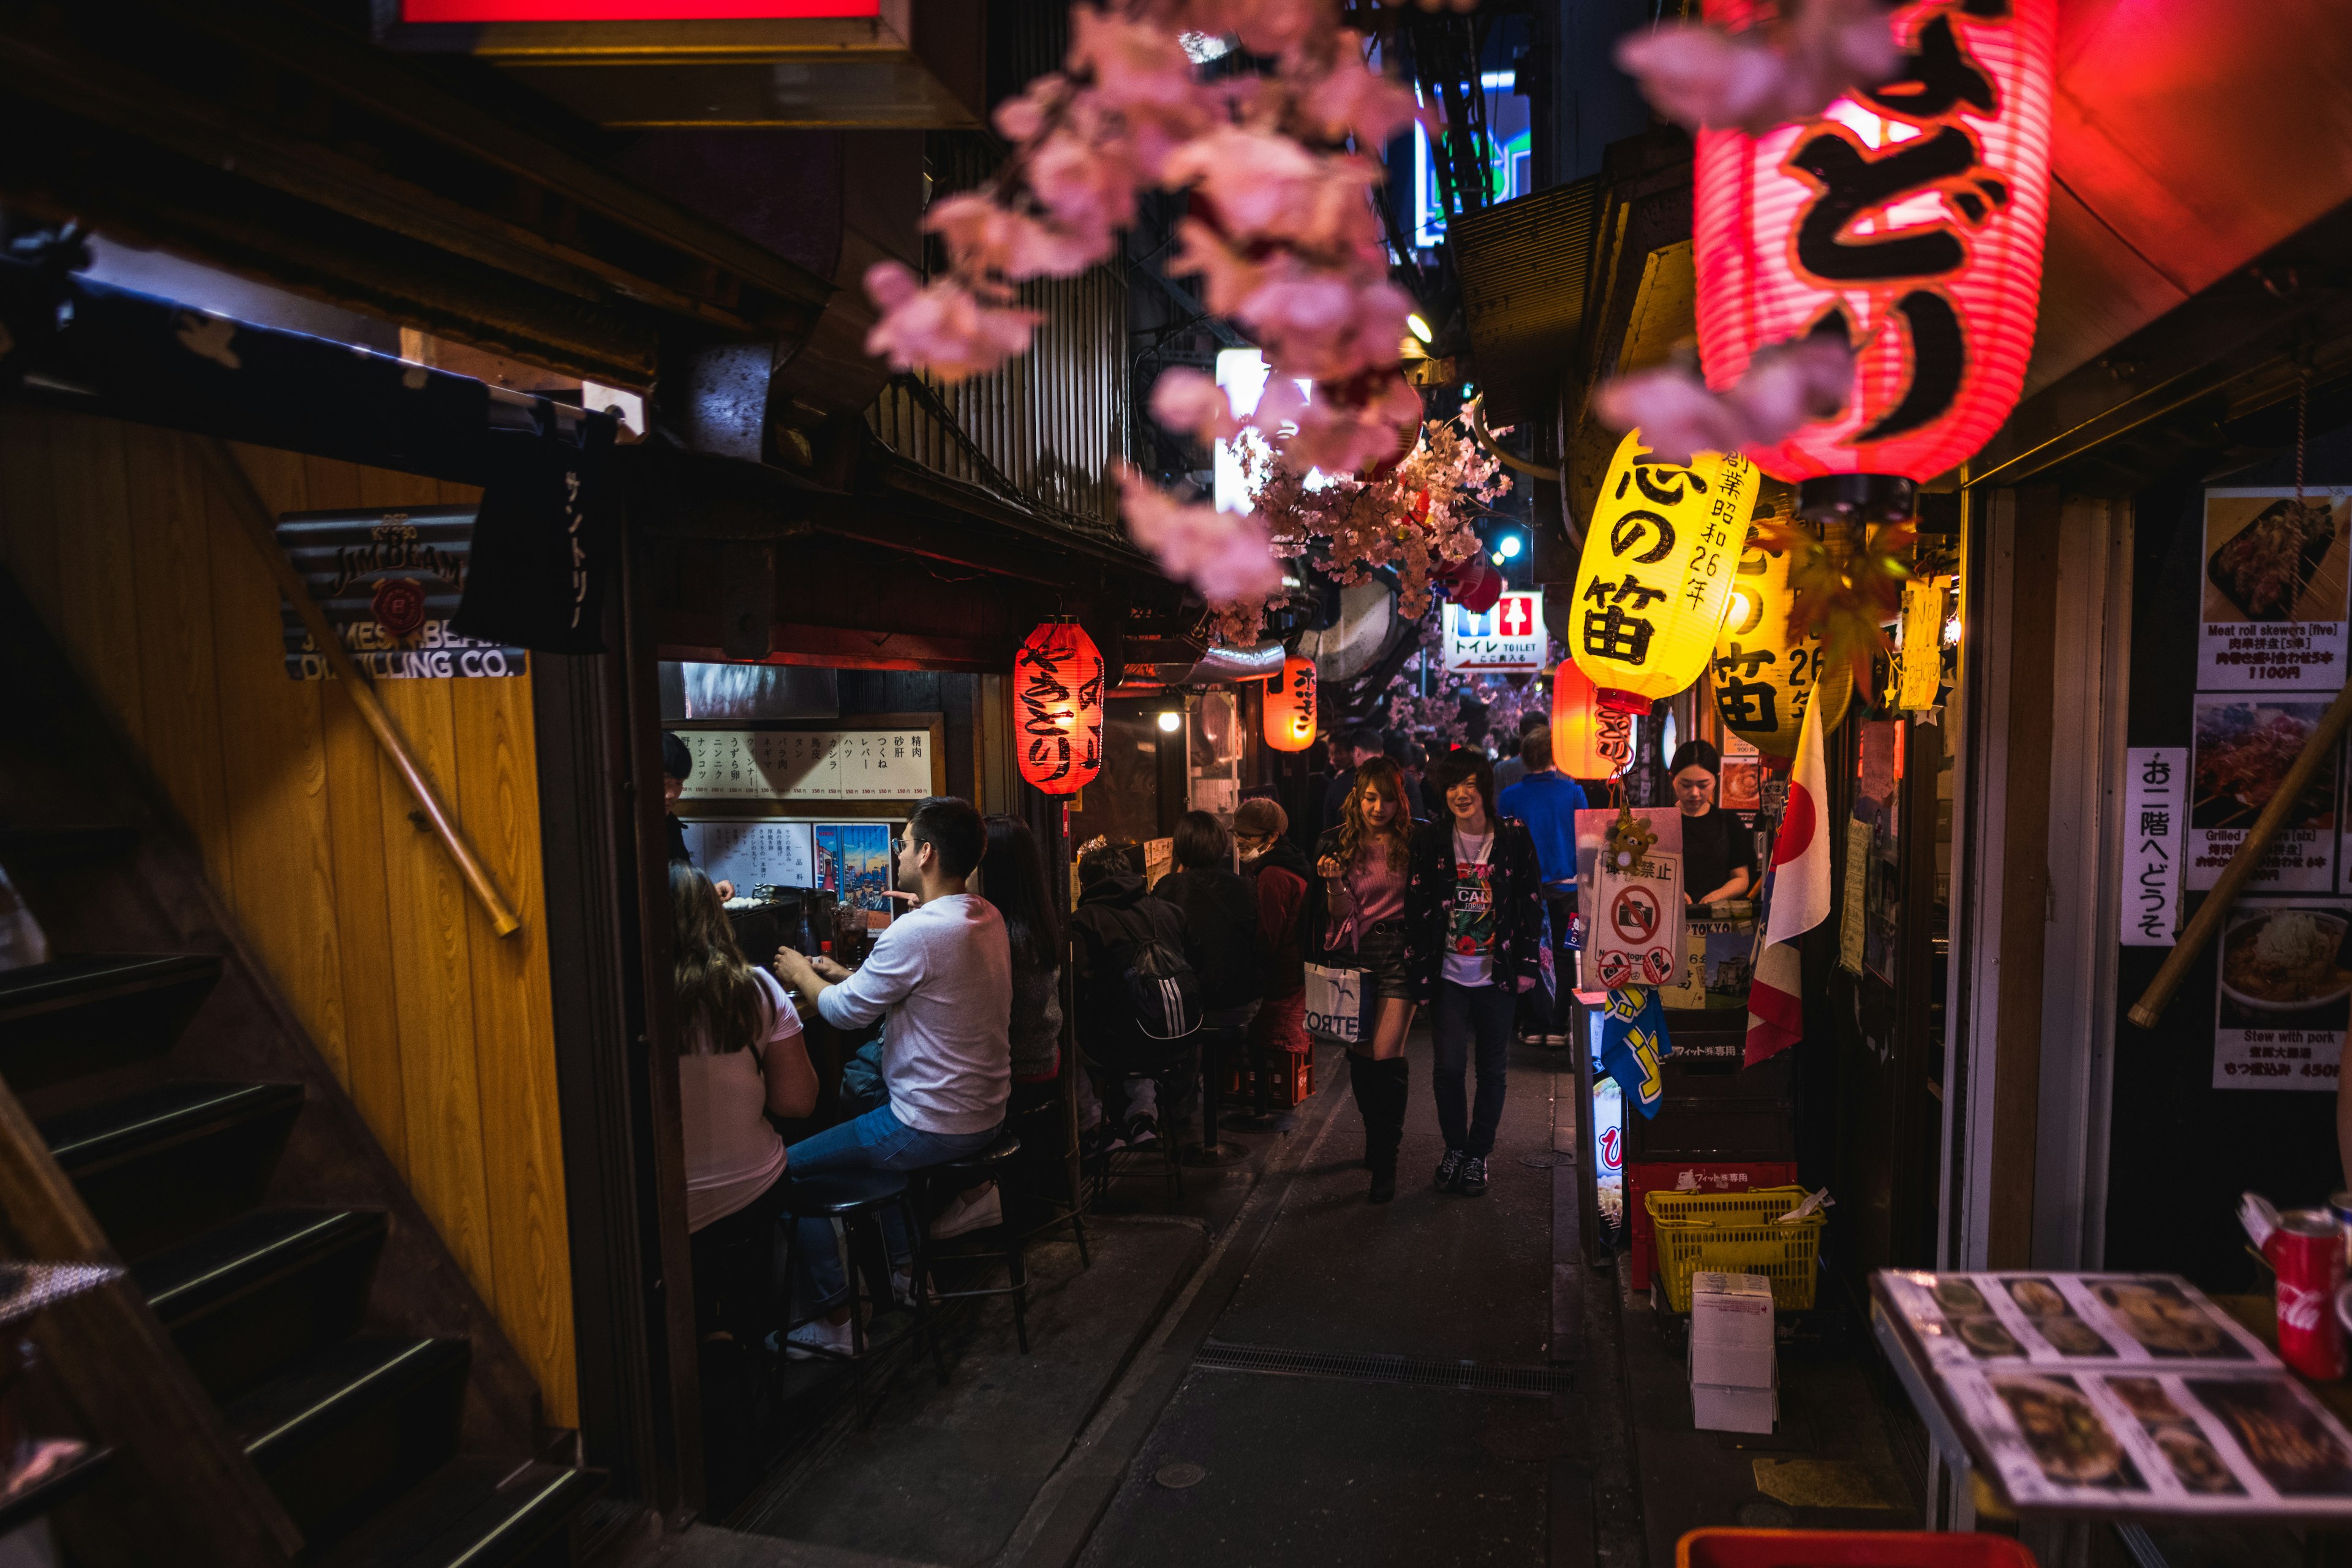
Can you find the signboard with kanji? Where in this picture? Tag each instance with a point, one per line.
(1506, 639)
(2155, 790)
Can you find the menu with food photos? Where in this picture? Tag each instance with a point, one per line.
(2114, 1394)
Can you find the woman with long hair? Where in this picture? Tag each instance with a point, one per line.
(1362, 864)
(741, 1057)
(1473, 940)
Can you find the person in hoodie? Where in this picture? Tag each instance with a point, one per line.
(1140, 1081)
(1278, 871)
(1220, 909)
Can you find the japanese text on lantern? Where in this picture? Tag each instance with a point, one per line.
(1059, 677)
(1907, 218)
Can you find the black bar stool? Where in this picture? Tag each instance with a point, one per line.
(851, 1197)
(1046, 1126)
(990, 1165)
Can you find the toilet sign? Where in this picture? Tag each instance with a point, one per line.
(1636, 936)
(1509, 638)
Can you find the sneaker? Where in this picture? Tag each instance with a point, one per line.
(902, 1286)
(803, 1342)
(1474, 1177)
(1383, 1183)
(1142, 1132)
(1556, 1042)
(1449, 1169)
(969, 1214)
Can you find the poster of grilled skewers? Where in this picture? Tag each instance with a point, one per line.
(2115, 1394)
(2284, 995)
(2244, 745)
(2275, 590)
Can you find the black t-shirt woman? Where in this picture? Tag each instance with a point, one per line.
(1718, 849)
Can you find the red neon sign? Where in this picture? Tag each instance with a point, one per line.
(475, 11)
(1909, 216)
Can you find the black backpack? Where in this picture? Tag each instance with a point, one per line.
(1146, 972)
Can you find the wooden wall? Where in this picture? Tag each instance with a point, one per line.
(441, 1032)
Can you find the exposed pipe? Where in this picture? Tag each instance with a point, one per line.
(1255, 663)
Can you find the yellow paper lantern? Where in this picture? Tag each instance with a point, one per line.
(1660, 555)
(1766, 668)
(1587, 742)
(1290, 706)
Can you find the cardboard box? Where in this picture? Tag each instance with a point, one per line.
(1684, 1176)
(1729, 1365)
(1715, 1409)
(1731, 1310)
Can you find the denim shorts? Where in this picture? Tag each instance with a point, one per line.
(1379, 952)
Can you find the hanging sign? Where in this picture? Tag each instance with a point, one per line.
(1635, 931)
(2156, 792)
(1290, 706)
(1655, 578)
(2275, 590)
(1058, 686)
(1764, 665)
(1906, 218)
(1588, 740)
(1923, 647)
(389, 583)
(1507, 639)
(1633, 1040)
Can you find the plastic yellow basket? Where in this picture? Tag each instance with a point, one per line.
(1734, 1233)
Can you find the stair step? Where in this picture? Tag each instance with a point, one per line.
(476, 1514)
(27, 848)
(342, 1432)
(160, 1164)
(246, 1298)
(84, 1014)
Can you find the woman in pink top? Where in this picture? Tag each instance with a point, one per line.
(1364, 862)
(741, 1059)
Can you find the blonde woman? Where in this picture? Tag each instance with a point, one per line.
(1363, 865)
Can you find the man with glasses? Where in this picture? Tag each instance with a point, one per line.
(941, 978)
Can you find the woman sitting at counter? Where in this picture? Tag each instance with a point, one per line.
(741, 1057)
(1718, 850)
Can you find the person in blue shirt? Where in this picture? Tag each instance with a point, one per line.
(1548, 800)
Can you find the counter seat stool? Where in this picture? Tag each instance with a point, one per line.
(993, 1164)
(855, 1198)
(1052, 1129)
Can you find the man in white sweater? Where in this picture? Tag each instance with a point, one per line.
(941, 978)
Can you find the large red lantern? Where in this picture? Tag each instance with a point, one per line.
(1058, 685)
(1290, 706)
(1909, 217)
(1589, 740)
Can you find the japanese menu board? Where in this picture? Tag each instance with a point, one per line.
(2114, 1394)
(2271, 647)
(809, 764)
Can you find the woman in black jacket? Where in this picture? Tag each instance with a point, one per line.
(1474, 936)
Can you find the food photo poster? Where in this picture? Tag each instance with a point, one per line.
(2275, 585)
(2284, 994)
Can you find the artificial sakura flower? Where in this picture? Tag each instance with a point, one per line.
(1355, 100)
(988, 240)
(1226, 555)
(1705, 79)
(944, 328)
(1783, 387)
(1191, 401)
(1264, 27)
(1088, 182)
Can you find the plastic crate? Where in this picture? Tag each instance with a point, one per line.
(1734, 1233)
(1847, 1549)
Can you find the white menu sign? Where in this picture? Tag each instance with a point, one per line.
(2156, 786)
(808, 764)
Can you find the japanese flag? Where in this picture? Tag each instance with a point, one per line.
(1799, 900)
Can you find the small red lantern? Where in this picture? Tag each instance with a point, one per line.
(1907, 217)
(1290, 706)
(1058, 684)
(1588, 740)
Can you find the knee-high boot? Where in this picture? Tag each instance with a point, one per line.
(1364, 1083)
(1392, 1088)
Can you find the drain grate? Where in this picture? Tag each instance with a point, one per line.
(1470, 1376)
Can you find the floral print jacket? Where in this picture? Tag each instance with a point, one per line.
(1429, 899)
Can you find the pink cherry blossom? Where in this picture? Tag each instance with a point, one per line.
(1256, 180)
(944, 328)
(1088, 185)
(988, 240)
(1701, 77)
(1783, 387)
(1790, 384)
(1230, 277)
(1226, 555)
(1191, 401)
(1355, 100)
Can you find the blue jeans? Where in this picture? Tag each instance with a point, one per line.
(877, 1140)
(1467, 1016)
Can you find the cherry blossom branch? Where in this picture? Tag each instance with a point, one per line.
(1703, 78)
(1785, 386)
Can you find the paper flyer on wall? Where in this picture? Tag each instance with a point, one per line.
(2049, 1320)
(754, 853)
(2282, 995)
(2244, 746)
(2159, 1441)
(2274, 604)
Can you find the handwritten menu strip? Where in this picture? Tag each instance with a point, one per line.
(808, 764)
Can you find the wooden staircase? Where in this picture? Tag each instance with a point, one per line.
(355, 1397)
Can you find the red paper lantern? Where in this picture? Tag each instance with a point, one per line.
(1058, 683)
(1588, 740)
(1908, 216)
(1290, 706)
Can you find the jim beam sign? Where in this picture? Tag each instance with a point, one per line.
(389, 581)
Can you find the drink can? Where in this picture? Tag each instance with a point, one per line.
(2340, 1206)
(2307, 1250)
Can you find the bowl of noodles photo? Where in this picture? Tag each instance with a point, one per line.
(2285, 961)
